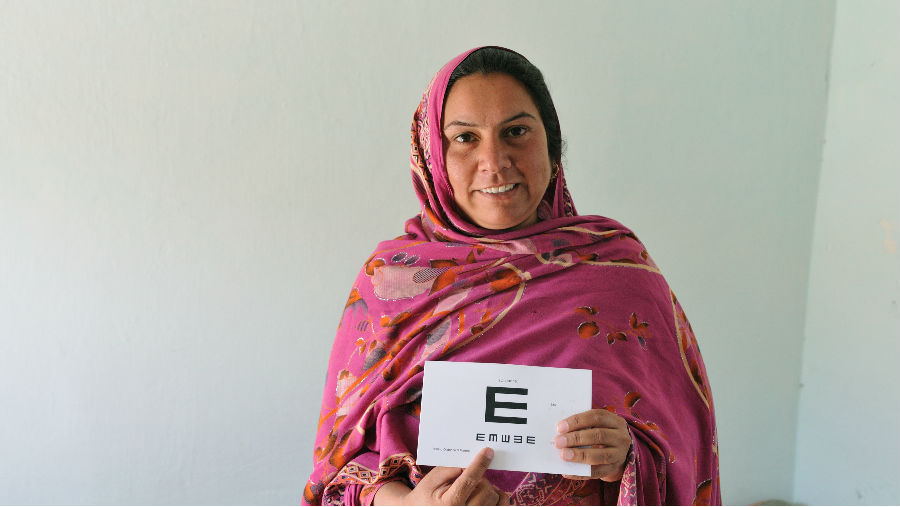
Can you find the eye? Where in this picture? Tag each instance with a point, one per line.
(517, 131)
(465, 137)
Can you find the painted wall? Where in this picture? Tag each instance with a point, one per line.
(187, 190)
(847, 439)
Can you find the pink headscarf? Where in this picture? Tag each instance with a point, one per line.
(430, 174)
(569, 291)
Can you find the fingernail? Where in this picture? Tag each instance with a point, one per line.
(559, 441)
(489, 454)
(567, 454)
(562, 427)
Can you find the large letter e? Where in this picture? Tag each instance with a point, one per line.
(491, 404)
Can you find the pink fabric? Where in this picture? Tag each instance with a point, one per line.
(569, 291)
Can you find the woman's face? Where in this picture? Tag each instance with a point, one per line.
(495, 148)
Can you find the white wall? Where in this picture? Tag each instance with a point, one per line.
(847, 439)
(187, 190)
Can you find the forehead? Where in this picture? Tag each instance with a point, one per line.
(484, 96)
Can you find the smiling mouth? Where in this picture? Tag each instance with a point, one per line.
(499, 190)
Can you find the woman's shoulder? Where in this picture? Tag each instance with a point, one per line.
(604, 221)
(596, 224)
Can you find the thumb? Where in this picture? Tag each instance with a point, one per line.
(466, 483)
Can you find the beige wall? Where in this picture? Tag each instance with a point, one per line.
(847, 439)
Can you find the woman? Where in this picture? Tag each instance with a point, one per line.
(499, 268)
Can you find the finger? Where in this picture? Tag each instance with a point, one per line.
(465, 484)
(601, 456)
(597, 418)
(485, 494)
(593, 436)
(504, 498)
(439, 476)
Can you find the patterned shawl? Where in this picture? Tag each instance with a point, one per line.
(569, 291)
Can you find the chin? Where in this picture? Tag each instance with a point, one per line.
(503, 221)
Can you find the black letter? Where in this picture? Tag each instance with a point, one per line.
(479, 437)
(492, 437)
(517, 439)
(491, 404)
(530, 440)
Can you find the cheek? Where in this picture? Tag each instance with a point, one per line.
(540, 169)
(456, 174)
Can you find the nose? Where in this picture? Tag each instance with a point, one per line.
(493, 155)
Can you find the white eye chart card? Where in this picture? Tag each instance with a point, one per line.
(510, 408)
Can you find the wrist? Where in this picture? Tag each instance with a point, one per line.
(391, 493)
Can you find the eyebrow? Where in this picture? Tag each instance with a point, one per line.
(457, 123)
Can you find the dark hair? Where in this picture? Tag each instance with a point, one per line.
(491, 59)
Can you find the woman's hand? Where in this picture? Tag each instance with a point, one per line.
(598, 438)
(448, 486)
